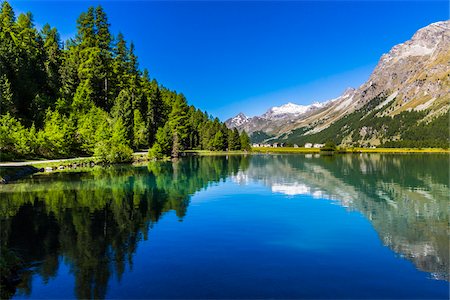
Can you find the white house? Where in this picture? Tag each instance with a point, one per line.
(295, 146)
(308, 145)
(318, 145)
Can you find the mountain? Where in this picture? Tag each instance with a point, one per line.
(405, 102)
(270, 120)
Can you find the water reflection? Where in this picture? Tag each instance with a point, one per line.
(405, 197)
(94, 220)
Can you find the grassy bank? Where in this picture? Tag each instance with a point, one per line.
(284, 150)
(210, 152)
(351, 150)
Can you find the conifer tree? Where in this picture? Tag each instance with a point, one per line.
(234, 141)
(85, 37)
(155, 113)
(139, 129)
(52, 52)
(123, 111)
(178, 125)
(245, 141)
(6, 96)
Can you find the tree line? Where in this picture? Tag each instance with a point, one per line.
(88, 96)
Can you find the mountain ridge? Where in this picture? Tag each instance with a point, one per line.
(410, 81)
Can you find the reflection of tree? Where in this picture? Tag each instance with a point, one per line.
(405, 197)
(95, 220)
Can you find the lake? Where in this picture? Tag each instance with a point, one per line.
(255, 226)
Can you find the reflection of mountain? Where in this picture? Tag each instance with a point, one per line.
(94, 220)
(404, 197)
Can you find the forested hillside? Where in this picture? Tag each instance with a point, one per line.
(87, 96)
(364, 126)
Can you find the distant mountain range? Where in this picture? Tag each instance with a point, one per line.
(405, 102)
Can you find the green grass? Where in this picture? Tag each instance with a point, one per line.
(398, 150)
(210, 152)
(285, 150)
(351, 150)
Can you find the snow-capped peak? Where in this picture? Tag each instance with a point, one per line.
(238, 120)
(290, 109)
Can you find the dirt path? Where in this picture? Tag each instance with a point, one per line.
(35, 162)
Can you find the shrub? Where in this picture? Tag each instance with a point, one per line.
(115, 149)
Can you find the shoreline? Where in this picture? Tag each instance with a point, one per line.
(142, 156)
(299, 150)
(12, 171)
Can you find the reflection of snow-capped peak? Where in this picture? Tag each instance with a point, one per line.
(241, 178)
(291, 190)
(298, 189)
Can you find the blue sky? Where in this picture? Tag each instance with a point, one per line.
(231, 57)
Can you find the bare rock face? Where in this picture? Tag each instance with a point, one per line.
(414, 75)
(417, 70)
(238, 121)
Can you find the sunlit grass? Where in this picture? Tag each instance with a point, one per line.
(350, 150)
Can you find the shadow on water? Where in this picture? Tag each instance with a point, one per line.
(95, 220)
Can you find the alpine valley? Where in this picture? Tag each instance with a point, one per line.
(404, 103)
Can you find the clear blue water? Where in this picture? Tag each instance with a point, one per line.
(285, 226)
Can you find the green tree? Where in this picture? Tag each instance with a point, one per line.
(52, 60)
(245, 141)
(93, 127)
(139, 130)
(178, 125)
(58, 135)
(123, 111)
(155, 113)
(234, 141)
(116, 149)
(6, 96)
(85, 37)
(163, 144)
(82, 100)
(218, 142)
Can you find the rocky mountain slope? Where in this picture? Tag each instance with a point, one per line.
(405, 100)
(272, 118)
